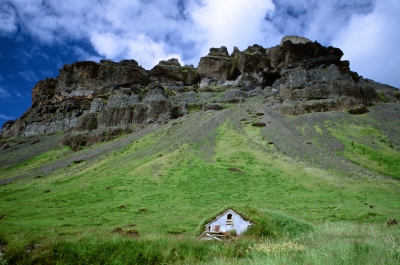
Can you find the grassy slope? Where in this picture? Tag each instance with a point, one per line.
(173, 177)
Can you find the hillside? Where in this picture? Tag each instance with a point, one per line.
(323, 149)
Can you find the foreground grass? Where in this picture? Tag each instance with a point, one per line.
(329, 243)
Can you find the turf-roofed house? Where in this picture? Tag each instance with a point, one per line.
(224, 225)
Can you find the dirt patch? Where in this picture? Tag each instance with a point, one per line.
(131, 233)
(233, 169)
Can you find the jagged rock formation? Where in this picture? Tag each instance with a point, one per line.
(99, 101)
(171, 73)
(295, 39)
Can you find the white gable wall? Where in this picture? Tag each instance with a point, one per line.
(238, 223)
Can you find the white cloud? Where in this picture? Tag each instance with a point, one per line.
(140, 48)
(154, 30)
(6, 117)
(230, 23)
(84, 55)
(318, 20)
(4, 93)
(371, 43)
(107, 44)
(8, 23)
(28, 75)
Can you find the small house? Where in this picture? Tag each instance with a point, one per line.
(224, 223)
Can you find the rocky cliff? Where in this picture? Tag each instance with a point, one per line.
(98, 101)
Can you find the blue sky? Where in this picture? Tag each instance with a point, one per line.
(37, 37)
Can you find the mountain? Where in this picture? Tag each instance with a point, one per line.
(290, 129)
(295, 77)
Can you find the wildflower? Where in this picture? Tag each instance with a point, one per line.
(279, 247)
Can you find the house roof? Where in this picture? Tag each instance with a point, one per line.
(223, 213)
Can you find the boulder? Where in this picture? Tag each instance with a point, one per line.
(172, 73)
(97, 105)
(234, 95)
(215, 64)
(295, 39)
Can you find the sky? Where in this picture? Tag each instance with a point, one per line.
(37, 37)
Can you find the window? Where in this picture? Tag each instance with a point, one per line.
(229, 219)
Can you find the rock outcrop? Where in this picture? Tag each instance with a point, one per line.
(215, 64)
(295, 39)
(98, 101)
(171, 73)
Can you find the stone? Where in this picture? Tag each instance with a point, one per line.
(234, 94)
(154, 94)
(58, 103)
(212, 107)
(87, 122)
(171, 73)
(133, 99)
(99, 101)
(258, 124)
(213, 66)
(97, 105)
(295, 39)
(222, 51)
(119, 100)
(358, 111)
(186, 97)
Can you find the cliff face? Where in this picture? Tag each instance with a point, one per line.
(96, 101)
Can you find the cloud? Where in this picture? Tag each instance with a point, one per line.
(28, 75)
(109, 26)
(140, 48)
(318, 20)
(6, 117)
(371, 43)
(83, 55)
(4, 93)
(8, 23)
(154, 30)
(231, 23)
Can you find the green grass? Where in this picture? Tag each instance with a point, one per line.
(328, 243)
(168, 187)
(383, 97)
(33, 163)
(318, 130)
(181, 185)
(369, 148)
